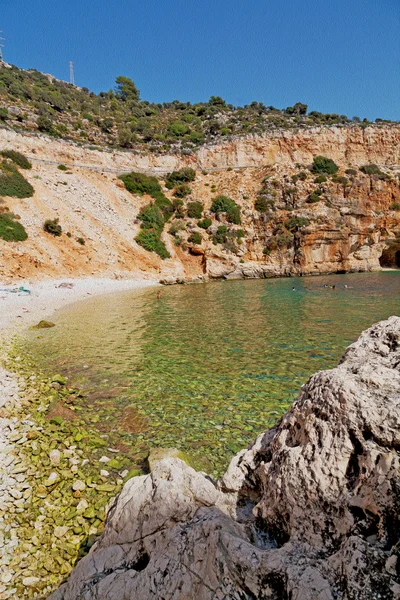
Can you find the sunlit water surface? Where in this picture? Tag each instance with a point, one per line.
(206, 367)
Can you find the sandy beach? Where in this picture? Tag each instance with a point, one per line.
(19, 309)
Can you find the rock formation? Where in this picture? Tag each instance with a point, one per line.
(309, 512)
(353, 226)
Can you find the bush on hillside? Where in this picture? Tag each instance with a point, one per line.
(195, 210)
(204, 223)
(221, 235)
(12, 183)
(315, 196)
(224, 204)
(150, 240)
(195, 238)
(10, 229)
(184, 175)
(52, 226)
(182, 190)
(373, 170)
(139, 183)
(322, 164)
(296, 223)
(17, 158)
(152, 218)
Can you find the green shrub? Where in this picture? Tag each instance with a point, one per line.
(395, 206)
(152, 218)
(351, 172)
(182, 176)
(195, 210)
(221, 235)
(17, 158)
(315, 196)
(322, 164)
(233, 215)
(3, 114)
(52, 226)
(12, 183)
(44, 124)
(182, 190)
(296, 223)
(195, 238)
(80, 241)
(150, 240)
(320, 179)
(62, 168)
(225, 204)
(204, 223)
(139, 183)
(340, 179)
(373, 170)
(264, 202)
(222, 204)
(10, 229)
(303, 175)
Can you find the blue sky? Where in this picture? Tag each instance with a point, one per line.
(340, 56)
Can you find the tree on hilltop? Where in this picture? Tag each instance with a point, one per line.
(126, 89)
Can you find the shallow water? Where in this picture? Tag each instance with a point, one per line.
(206, 367)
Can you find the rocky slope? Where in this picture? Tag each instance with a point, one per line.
(309, 512)
(347, 228)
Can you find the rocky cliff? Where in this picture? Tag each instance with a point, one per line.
(350, 222)
(309, 512)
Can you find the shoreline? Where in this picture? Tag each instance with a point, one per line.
(25, 435)
(19, 310)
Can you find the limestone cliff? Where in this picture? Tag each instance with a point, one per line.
(309, 512)
(354, 221)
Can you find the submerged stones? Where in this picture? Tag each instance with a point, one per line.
(43, 325)
(309, 511)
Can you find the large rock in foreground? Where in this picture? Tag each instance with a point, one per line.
(309, 511)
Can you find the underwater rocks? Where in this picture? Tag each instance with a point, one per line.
(52, 491)
(309, 512)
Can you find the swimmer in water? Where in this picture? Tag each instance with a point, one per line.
(159, 294)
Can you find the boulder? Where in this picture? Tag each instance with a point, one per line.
(310, 511)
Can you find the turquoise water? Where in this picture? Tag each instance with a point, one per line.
(206, 367)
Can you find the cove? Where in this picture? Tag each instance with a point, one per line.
(205, 368)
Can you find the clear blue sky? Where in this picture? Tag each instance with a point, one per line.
(337, 56)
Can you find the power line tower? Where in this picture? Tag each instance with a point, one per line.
(71, 73)
(1, 46)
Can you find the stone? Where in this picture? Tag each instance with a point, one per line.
(55, 457)
(60, 531)
(52, 479)
(78, 485)
(309, 511)
(30, 581)
(43, 325)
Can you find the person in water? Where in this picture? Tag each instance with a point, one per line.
(158, 294)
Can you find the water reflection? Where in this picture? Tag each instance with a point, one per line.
(208, 367)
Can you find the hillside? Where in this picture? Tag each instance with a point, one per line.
(119, 118)
(289, 219)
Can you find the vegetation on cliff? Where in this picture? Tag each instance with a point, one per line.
(119, 118)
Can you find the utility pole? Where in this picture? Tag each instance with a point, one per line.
(71, 73)
(1, 47)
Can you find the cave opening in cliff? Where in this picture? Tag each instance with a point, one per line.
(390, 258)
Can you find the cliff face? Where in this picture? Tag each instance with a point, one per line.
(308, 512)
(347, 228)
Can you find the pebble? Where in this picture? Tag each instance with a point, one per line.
(55, 457)
(78, 485)
(104, 459)
(104, 473)
(29, 581)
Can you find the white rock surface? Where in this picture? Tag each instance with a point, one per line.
(309, 512)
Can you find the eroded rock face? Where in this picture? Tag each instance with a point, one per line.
(310, 511)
